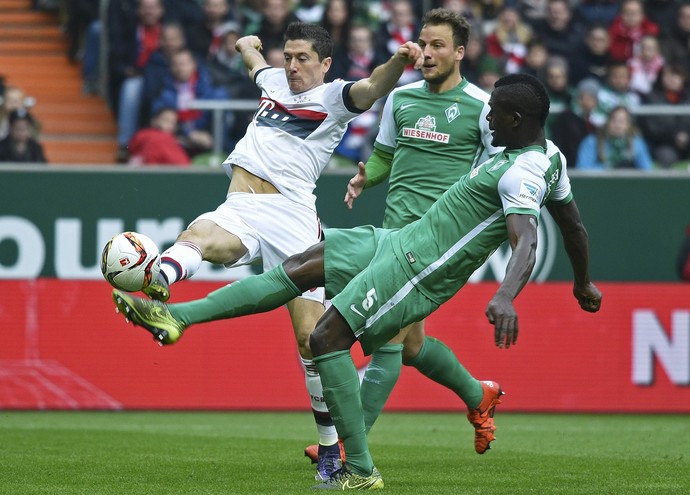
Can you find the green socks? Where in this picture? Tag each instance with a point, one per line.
(380, 378)
(437, 362)
(255, 294)
(340, 382)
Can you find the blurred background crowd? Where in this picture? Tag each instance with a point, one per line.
(618, 82)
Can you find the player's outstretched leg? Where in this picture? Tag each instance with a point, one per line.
(153, 315)
(482, 417)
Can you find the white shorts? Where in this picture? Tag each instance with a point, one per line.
(271, 227)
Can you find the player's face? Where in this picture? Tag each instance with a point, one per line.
(441, 58)
(303, 69)
(500, 121)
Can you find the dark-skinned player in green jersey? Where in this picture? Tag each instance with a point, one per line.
(380, 280)
(432, 132)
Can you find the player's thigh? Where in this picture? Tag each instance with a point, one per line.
(413, 340)
(380, 301)
(348, 252)
(405, 338)
(304, 313)
(217, 244)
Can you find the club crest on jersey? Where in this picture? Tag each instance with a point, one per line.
(425, 129)
(452, 112)
(529, 191)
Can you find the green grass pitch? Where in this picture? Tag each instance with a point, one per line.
(149, 453)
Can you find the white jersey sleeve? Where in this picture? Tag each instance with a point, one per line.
(523, 188)
(388, 130)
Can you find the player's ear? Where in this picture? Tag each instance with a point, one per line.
(517, 118)
(326, 64)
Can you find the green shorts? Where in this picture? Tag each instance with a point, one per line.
(368, 286)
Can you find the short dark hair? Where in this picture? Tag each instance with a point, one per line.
(457, 22)
(527, 95)
(319, 38)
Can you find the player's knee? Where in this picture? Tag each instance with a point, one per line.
(331, 334)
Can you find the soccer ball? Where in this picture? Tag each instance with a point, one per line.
(130, 261)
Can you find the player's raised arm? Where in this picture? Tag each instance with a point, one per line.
(522, 235)
(250, 48)
(366, 91)
(576, 243)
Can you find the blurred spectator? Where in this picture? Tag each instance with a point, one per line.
(275, 57)
(559, 31)
(597, 11)
(662, 12)
(228, 71)
(508, 43)
(401, 27)
(337, 21)
(310, 11)
(616, 89)
(628, 28)
(474, 55)
(532, 11)
(489, 71)
(20, 145)
(668, 135)
(487, 12)
(535, 59)
(555, 79)
(360, 58)
(189, 80)
(463, 7)
(131, 47)
(276, 17)
(593, 57)
(172, 40)
(676, 40)
(13, 99)
(358, 63)
(79, 15)
(575, 122)
(157, 145)
(645, 65)
(204, 38)
(615, 145)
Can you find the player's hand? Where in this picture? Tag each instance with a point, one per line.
(248, 42)
(411, 53)
(588, 296)
(502, 316)
(355, 185)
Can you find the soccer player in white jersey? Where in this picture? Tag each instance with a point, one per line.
(432, 132)
(380, 280)
(269, 212)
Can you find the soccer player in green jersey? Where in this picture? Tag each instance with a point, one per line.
(431, 133)
(381, 280)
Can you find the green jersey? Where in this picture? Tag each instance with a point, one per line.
(467, 224)
(435, 138)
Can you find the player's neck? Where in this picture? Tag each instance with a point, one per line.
(450, 83)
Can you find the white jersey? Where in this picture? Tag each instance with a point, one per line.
(292, 136)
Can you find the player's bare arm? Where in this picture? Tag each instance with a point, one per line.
(522, 235)
(250, 48)
(366, 91)
(576, 243)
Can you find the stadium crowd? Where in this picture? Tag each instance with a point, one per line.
(594, 56)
